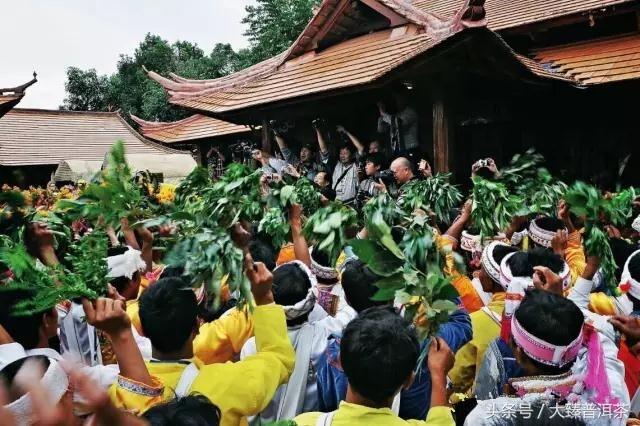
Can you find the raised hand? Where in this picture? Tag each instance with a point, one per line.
(547, 280)
(107, 315)
(261, 281)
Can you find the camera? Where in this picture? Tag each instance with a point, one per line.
(483, 163)
(386, 176)
(280, 127)
(319, 123)
(243, 150)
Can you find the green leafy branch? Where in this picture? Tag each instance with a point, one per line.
(435, 194)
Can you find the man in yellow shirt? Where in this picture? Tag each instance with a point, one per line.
(379, 352)
(168, 313)
(485, 322)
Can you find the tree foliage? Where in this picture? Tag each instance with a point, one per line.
(272, 25)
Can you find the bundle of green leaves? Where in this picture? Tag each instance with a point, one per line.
(586, 201)
(538, 189)
(327, 226)
(493, 207)
(387, 207)
(411, 271)
(49, 286)
(13, 213)
(208, 255)
(112, 197)
(435, 193)
(189, 189)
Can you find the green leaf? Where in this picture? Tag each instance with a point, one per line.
(395, 281)
(444, 306)
(384, 295)
(377, 258)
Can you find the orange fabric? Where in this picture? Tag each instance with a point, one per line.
(287, 254)
(470, 298)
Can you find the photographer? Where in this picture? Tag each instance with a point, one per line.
(373, 184)
(403, 173)
(400, 122)
(485, 168)
(306, 165)
(345, 172)
(269, 164)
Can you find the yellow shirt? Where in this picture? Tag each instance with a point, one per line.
(239, 389)
(353, 415)
(574, 256)
(468, 358)
(222, 339)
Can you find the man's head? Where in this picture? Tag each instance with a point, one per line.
(521, 264)
(346, 154)
(402, 170)
(193, 410)
(31, 331)
(291, 284)
(378, 353)
(306, 153)
(262, 251)
(552, 319)
(373, 164)
(489, 273)
(358, 282)
(374, 147)
(631, 276)
(168, 313)
(122, 260)
(322, 179)
(542, 230)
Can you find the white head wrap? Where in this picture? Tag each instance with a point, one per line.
(306, 305)
(490, 266)
(636, 224)
(540, 236)
(633, 284)
(126, 264)
(55, 381)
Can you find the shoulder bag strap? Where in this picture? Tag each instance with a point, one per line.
(186, 380)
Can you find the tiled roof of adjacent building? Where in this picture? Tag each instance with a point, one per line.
(38, 137)
(189, 129)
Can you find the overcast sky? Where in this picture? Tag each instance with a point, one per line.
(49, 35)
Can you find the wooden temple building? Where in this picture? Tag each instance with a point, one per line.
(486, 78)
(36, 144)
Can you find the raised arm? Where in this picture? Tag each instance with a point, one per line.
(300, 246)
(322, 143)
(456, 228)
(111, 317)
(287, 154)
(147, 247)
(354, 140)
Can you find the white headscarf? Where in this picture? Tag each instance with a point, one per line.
(125, 264)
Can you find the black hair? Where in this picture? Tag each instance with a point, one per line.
(192, 410)
(378, 353)
(501, 250)
(550, 223)
(552, 318)
(634, 263)
(168, 313)
(376, 158)
(358, 282)
(290, 286)
(522, 263)
(320, 257)
(22, 329)
(9, 371)
(263, 251)
(328, 193)
(347, 147)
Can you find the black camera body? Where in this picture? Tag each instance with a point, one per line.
(386, 176)
(319, 123)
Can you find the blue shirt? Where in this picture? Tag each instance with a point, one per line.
(415, 401)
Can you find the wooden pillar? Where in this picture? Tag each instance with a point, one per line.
(442, 136)
(267, 136)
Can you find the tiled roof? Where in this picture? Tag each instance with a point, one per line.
(502, 14)
(190, 129)
(595, 61)
(36, 137)
(357, 61)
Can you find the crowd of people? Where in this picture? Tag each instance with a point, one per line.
(535, 338)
